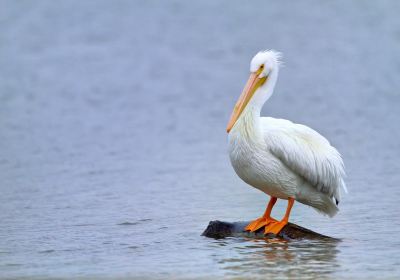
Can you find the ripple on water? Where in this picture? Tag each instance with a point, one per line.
(46, 251)
(140, 221)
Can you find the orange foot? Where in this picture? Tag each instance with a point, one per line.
(275, 227)
(259, 223)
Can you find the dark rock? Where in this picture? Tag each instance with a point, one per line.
(218, 229)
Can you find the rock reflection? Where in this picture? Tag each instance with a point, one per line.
(301, 259)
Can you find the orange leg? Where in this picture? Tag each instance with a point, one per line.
(265, 219)
(276, 227)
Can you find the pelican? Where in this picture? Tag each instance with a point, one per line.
(283, 159)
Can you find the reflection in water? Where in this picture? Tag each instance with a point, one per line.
(275, 257)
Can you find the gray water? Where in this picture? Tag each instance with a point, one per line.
(113, 144)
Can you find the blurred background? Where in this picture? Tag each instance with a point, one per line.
(113, 144)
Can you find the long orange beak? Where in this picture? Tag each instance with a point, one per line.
(252, 85)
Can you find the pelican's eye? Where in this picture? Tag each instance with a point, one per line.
(260, 69)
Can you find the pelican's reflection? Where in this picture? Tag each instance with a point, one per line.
(275, 257)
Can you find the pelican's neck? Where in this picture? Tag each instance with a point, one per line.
(248, 124)
(249, 121)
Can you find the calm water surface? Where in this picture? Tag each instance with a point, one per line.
(113, 144)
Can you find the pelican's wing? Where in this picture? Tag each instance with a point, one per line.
(307, 153)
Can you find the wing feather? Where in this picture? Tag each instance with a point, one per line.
(307, 153)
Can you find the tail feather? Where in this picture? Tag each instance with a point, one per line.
(321, 202)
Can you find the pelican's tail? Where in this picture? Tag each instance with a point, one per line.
(321, 202)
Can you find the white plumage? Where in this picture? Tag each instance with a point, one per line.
(281, 158)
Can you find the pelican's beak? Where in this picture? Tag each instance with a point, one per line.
(252, 85)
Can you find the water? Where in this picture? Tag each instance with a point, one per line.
(113, 144)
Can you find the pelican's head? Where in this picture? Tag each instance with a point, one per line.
(259, 87)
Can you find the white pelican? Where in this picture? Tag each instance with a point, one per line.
(283, 159)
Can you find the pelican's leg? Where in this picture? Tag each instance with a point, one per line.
(265, 219)
(276, 227)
